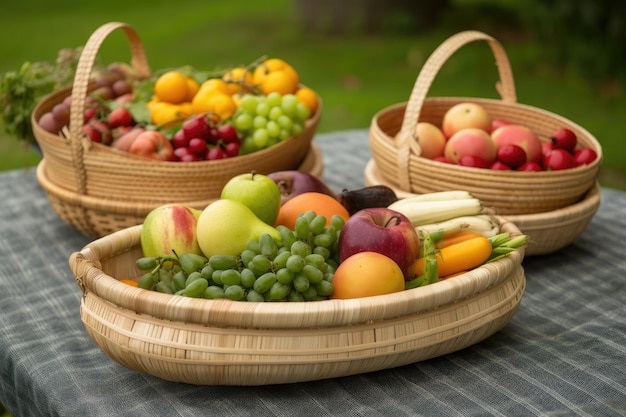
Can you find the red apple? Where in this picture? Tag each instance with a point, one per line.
(294, 182)
(470, 141)
(384, 231)
(585, 156)
(512, 155)
(465, 115)
(431, 140)
(558, 159)
(123, 142)
(521, 136)
(171, 227)
(153, 144)
(564, 139)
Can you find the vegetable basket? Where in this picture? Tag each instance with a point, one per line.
(99, 189)
(224, 342)
(400, 165)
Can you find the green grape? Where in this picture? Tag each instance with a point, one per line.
(254, 296)
(301, 248)
(273, 130)
(247, 255)
(289, 104)
(309, 215)
(254, 246)
(274, 99)
(217, 277)
(180, 280)
(192, 277)
(165, 276)
(337, 222)
(243, 122)
(231, 277)
(317, 224)
(190, 262)
(284, 276)
(247, 146)
(249, 103)
(301, 283)
(315, 260)
(207, 271)
(269, 248)
(275, 113)
(302, 111)
(310, 294)
(146, 264)
(324, 240)
(163, 288)
(286, 235)
(260, 265)
(264, 282)
(196, 288)
(223, 261)
(302, 228)
(235, 293)
(321, 250)
(278, 291)
(285, 122)
(313, 274)
(295, 263)
(260, 138)
(296, 129)
(284, 134)
(324, 288)
(295, 296)
(280, 261)
(259, 122)
(213, 292)
(262, 109)
(247, 278)
(147, 281)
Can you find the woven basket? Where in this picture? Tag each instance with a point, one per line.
(507, 192)
(548, 231)
(223, 342)
(111, 179)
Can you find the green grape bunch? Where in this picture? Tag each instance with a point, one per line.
(298, 267)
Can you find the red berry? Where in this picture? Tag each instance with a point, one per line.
(196, 127)
(197, 146)
(558, 159)
(120, 117)
(227, 133)
(215, 153)
(512, 155)
(473, 161)
(530, 166)
(564, 139)
(500, 166)
(179, 140)
(232, 149)
(98, 131)
(584, 156)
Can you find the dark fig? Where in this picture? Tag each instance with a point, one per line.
(368, 197)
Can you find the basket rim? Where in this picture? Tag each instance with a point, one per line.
(86, 263)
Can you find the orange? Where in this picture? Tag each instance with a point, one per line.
(192, 88)
(309, 98)
(214, 101)
(168, 114)
(366, 274)
(276, 75)
(238, 79)
(172, 87)
(321, 204)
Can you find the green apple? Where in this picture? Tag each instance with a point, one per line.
(257, 191)
(171, 227)
(225, 227)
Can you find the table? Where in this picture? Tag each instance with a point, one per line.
(563, 353)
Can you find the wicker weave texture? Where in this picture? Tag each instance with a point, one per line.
(507, 192)
(223, 342)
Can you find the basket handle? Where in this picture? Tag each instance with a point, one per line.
(406, 142)
(77, 141)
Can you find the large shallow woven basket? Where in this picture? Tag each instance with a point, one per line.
(507, 192)
(223, 342)
(548, 231)
(109, 178)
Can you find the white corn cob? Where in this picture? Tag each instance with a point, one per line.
(426, 212)
(481, 223)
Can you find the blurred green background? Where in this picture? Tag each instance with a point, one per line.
(359, 55)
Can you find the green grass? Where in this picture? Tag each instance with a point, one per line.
(356, 75)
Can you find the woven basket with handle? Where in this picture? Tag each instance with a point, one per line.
(99, 189)
(224, 342)
(508, 192)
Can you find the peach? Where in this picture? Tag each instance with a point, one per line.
(431, 140)
(522, 136)
(464, 115)
(470, 141)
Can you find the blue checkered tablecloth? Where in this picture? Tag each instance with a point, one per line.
(562, 354)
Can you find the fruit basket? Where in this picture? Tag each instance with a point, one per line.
(224, 342)
(81, 176)
(548, 231)
(400, 164)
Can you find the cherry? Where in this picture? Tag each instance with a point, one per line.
(215, 153)
(564, 139)
(512, 155)
(196, 127)
(530, 166)
(500, 166)
(558, 159)
(197, 146)
(473, 161)
(227, 133)
(232, 148)
(120, 117)
(584, 156)
(179, 140)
